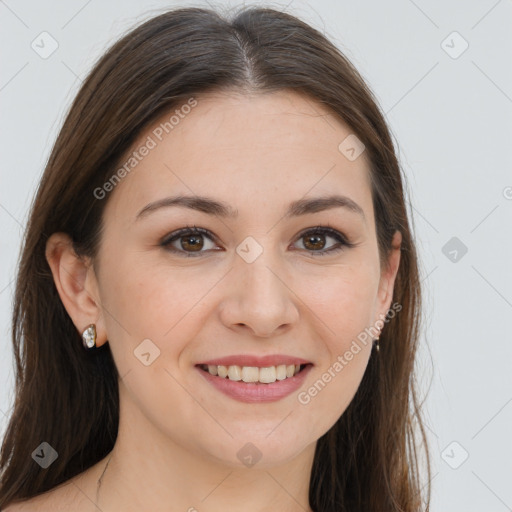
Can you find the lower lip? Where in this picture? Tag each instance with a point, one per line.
(254, 391)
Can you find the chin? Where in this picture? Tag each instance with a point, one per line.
(259, 451)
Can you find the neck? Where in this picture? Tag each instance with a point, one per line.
(148, 471)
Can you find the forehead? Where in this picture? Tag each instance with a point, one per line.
(243, 149)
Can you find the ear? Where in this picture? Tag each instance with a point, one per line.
(76, 283)
(388, 276)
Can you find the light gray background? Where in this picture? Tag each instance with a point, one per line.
(452, 120)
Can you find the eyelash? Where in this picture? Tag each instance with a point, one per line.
(317, 230)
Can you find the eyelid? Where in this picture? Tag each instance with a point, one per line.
(327, 230)
(186, 230)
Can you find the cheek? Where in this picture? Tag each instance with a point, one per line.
(163, 304)
(344, 301)
(327, 397)
(345, 306)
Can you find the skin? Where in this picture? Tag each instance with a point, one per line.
(179, 437)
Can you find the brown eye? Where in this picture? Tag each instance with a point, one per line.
(192, 242)
(189, 241)
(315, 241)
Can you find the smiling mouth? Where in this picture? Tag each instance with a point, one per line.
(254, 374)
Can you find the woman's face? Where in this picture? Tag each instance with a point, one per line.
(256, 288)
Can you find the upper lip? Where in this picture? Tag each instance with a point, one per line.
(259, 361)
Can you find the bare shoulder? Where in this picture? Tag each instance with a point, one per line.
(57, 499)
(75, 494)
(63, 498)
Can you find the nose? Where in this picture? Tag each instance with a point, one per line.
(259, 298)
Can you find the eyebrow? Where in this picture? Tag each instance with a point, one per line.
(218, 208)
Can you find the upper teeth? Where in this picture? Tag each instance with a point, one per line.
(265, 375)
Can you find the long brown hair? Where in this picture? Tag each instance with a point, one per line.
(369, 460)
